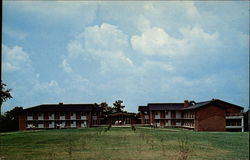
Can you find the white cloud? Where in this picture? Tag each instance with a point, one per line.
(66, 66)
(15, 59)
(104, 37)
(157, 41)
(105, 44)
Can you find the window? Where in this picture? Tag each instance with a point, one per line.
(146, 121)
(83, 114)
(29, 114)
(40, 114)
(146, 113)
(62, 113)
(166, 112)
(72, 113)
(156, 113)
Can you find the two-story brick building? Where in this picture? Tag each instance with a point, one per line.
(213, 115)
(60, 116)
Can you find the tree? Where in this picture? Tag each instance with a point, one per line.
(105, 108)
(10, 120)
(5, 95)
(118, 107)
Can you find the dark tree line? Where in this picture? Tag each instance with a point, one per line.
(117, 107)
(9, 121)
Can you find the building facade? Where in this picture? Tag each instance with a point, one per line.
(50, 116)
(214, 115)
(54, 116)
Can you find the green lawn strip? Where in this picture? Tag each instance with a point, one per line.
(123, 143)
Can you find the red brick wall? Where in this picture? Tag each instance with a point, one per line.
(67, 115)
(232, 110)
(173, 122)
(57, 115)
(151, 117)
(35, 116)
(162, 114)
(78, 115)
(162, 123)
(46, 124)
(22, 123)
(142, 115)
(46, 115)
(210, 118)
(173, 114)
(89, 118)
(133, 121)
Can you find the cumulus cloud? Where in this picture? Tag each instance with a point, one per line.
(156, 41)
(105, 44)
(15, 59)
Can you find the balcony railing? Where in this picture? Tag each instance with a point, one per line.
(29, 117)
(157, 116)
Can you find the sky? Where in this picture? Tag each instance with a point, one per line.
(139, 52)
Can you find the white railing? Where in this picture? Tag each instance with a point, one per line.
(52, 117)
(167, 116)
(52, 125)
(146, 117)
(73, 124)
(40, 125)
(29, 117)
(62, 117)
(40, 117)
(83, 117)
(157, 116)
(178, 124)
(73, 117)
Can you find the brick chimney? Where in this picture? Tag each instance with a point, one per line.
(186, 103)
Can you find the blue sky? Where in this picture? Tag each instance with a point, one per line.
(139, 52)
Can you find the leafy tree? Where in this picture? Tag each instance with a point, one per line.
(118, 107)
(105, 108)
(5, 95)
(10, 120)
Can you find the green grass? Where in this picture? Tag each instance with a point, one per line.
(123, 144)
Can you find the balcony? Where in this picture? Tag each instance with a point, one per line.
(62, 117)
(146, 117)
(29, 117)
(232, 127)
(40, 117)
(51, 117)
(167, 117)
(73, 117)
(178, 124)
(40, 125)
(83, 117)
(157, 116)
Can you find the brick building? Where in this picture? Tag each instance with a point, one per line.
(60, 116)
(213, 115)
(52, 116)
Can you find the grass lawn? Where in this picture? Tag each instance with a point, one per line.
(123, 144)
